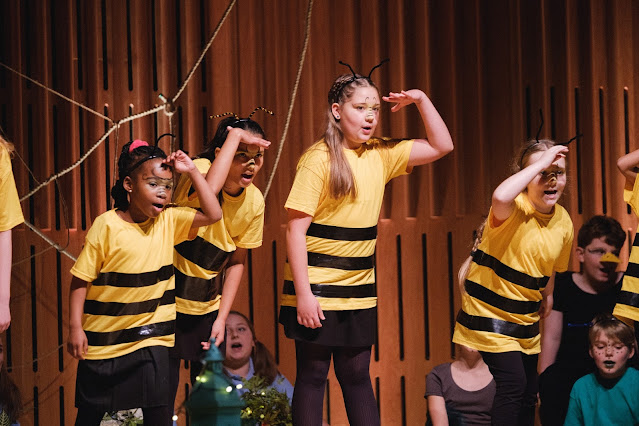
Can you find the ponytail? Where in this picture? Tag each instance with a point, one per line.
(464, 269)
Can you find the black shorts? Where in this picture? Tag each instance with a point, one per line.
(138, 379)
(340, 328)
(190, 331)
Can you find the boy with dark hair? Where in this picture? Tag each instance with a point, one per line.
(610, 396)
(578, 297)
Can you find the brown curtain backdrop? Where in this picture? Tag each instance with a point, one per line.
(488, 66)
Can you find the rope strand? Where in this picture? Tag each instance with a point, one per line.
(307, 36)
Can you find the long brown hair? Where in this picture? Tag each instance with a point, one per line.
(341, 182)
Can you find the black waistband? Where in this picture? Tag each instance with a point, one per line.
(131, 334)
(336, 291)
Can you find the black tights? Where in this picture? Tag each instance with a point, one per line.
(152, 416)
(174, 375)
(515, 374)
(351, 369)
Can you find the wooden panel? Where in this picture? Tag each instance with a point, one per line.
(488, 66)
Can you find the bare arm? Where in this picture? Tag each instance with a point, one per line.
(219, 170)
(5, 279)
(211, 210)
(627, 165)
(438, 142)
(309, 312)
(503, 201)
(234, 272)
(77, 345)
(437, 410)
(550, 339)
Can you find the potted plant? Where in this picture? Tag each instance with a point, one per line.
(265, 405)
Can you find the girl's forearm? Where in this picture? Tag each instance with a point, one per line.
(436, 130)
(77, 297)
(220, 167)
(208, 198)
(232, 281)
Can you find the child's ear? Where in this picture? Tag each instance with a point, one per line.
(590, 352)
(127, 183)
(632, 352)
(580, 254)
(335, 109)
(217, 151)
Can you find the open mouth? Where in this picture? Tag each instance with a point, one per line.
(609, 364)
(158, 205)
(551, 192)
(236, 345)
(247, 176)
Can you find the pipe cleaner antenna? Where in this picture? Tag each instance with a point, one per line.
(350, 68)
(258, 108)
(377, 66)
(224, 114)
(157, 141)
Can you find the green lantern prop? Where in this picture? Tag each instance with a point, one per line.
(214, 401)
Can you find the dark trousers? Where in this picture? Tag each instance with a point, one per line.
(515, 374)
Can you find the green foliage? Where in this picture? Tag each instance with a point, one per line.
(265, 404)
(123, 418)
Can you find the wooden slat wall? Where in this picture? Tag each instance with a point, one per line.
(489, 66)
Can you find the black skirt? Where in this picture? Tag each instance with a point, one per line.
(190, 331)
(355, 328)
(138, 379)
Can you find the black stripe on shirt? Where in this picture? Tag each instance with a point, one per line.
(508, 273)
(342, 291)
(340, 233)
(504, 303)
(196, 289)
(131, 334)
(493, 325)
(340, 262)
(632, 270)
(203, 253)
(142, 279)
(628, 298)
(635, 242)
(116, 309)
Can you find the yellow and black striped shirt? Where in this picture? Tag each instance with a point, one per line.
(628, 300)
(198, 261)
(341, 238)
(130, 302)
(509, 270)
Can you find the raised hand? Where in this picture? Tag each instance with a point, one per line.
(404, 98)
(181, 162)
(247, 137)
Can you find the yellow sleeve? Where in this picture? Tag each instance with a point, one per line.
(310, 181)
(10, 209)
(632, 197)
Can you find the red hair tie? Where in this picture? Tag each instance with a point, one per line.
(136, 143)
